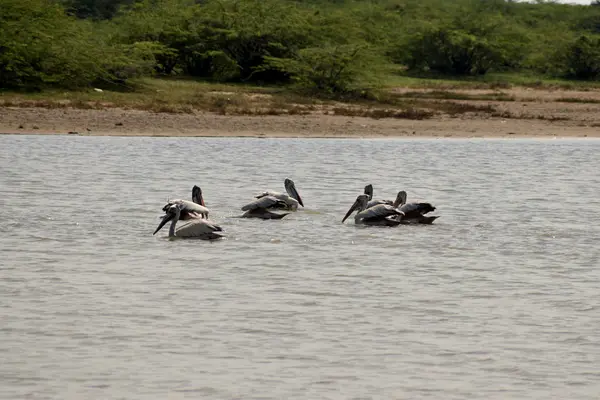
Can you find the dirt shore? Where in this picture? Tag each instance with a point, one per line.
(528, 113)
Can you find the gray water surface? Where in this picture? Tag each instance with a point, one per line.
(499, 299)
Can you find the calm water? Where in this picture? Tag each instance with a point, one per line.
(500, 299)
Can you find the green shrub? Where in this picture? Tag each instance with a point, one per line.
(331, 70)
(42, 46)
(452, 52)
(583, 58)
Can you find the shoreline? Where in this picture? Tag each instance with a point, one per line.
(472, 113)
(132, 123)
(291, 136)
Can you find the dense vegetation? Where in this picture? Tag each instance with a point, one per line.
(330, 46)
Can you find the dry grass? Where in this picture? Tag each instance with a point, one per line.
(172, 96)
(453, 108)
(490, 81)
(379, 113)
(578, 100)
(179, 96)
(451, 95)
(511, 115)
(185, 96)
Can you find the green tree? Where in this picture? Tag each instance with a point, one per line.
(95, 9)
(42, 46)
(583, 58)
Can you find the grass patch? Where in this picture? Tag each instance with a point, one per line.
(578, 100)
(453, 108)
(492, 80)
(188, 96)
(451, 95)
(510, 115)
(379, 113)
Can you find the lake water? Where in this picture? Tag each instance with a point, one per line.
(499, 299)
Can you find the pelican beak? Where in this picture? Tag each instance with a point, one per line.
(165, 219)
(296, 195)
(350, 211)
(290, 187)
(369, 191)
(197, 195)
(401, 198)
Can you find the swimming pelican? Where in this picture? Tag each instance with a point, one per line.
(291, 199)
(190, 209)
(415, 212)
(259, 208)
(196, 228)
(380, 214)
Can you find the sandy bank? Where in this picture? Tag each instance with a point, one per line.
(530, 113)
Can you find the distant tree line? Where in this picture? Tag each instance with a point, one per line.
(330, 46)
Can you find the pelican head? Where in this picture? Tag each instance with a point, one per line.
(171, 211)
(369, 191)
(197, 196)
(359, 205)
(400, 199)
(290, 188)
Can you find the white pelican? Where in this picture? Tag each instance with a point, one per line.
(380, 214)
(291, 199)
(190, 209)
(196, 228)
(259, 208)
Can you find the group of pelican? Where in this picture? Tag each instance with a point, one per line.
(387, 212)
(263, 206)
(273, 205)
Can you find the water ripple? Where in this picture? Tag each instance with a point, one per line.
(498, 299)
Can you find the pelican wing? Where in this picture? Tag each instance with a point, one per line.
(379, 211)
(268, 193)
(188, 206)
(412, 210)
(373, 203)
(262, 203)
(199, 228)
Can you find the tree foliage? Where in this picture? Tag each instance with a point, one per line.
(583, 58)
(332, 46)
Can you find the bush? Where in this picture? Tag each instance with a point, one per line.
(452, 52)
(96, 9)
(332, 46)
(223, 40)
(583, 58)
(166, 23)
(42, 46)
(331, 70)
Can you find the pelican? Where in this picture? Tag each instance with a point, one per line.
(196, 228)
(414, 213)
(380, 214)
(291, 199)
(259, 208)
(190, 209)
